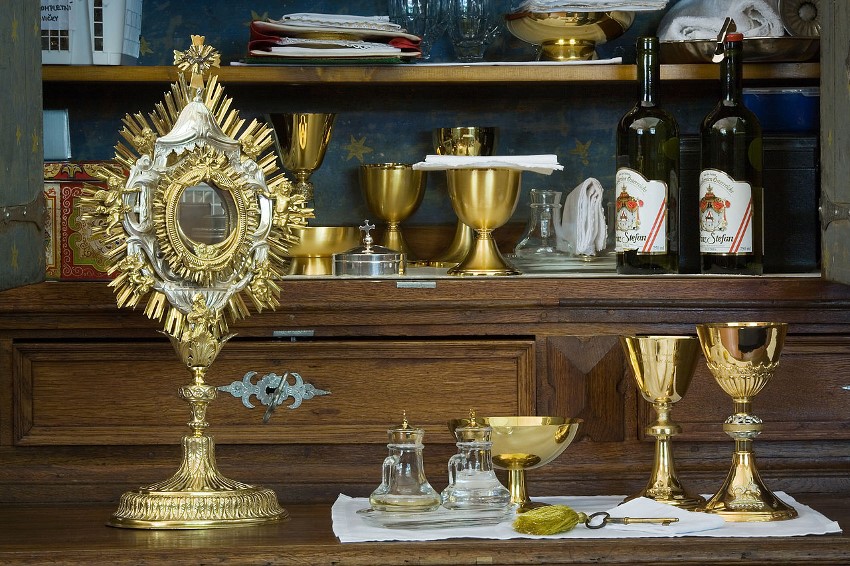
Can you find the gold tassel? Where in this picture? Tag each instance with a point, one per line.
(548, 520)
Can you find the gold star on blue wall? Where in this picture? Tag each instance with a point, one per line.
(583, 151)
(357, 148)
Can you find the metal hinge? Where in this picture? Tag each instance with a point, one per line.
(31, 212)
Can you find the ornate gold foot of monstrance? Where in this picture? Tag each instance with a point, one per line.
(202, 217)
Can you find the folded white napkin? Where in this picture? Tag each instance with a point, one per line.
(544, 164)
(689, 522)
(590, 5)
(703, 19)
(350, 527)
(582, 229)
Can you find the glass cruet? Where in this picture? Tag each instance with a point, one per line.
(539, 238)
(472, 481)
(404, 486)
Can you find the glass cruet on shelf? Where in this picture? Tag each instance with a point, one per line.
(404, 486)
(472, 480)
(539, 238)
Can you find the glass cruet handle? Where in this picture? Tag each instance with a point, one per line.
(390, 463)
(456, 462)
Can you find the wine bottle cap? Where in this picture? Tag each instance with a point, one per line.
(736, 36)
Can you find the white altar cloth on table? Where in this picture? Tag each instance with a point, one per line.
(349, 527)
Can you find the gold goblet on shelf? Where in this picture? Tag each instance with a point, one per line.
(743, 357)
(484, 199)
(302, 140)
(470, 141)
(561, 36)
(393, 191)
(663, 367)
(313, 254)
(527, 443)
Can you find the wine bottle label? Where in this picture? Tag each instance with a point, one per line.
(725, 214)
(641, 212)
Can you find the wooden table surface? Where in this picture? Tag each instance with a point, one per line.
(79, 535)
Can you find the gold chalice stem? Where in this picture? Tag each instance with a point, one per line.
(664, 485)
(519, 493)
(458, 248)
(484, 258)
(303, 186)
(393, 238)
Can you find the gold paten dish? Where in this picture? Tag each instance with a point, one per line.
(549, 28)
(756, 50)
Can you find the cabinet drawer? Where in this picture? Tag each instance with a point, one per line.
(807, 398)
(106, 393)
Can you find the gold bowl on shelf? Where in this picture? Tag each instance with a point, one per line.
(525, 443)
(568, 35)
(313, 254)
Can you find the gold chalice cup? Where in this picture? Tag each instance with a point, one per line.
(663, 367)
(527, 443)
(313, 254)
(743, 356)
(393, 192)
(484, 199)
(462, 140)
(302, 140)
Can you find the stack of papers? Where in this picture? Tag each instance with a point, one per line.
(328, 38)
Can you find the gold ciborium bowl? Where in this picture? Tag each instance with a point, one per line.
(743, 356)
(313, 254)
(568, 35)
(469, 141)
(525, 443)
(393, 192)
(484, 199)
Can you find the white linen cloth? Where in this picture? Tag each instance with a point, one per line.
(544, 164)
(703, 19)
(544, 6)
(582, 229)
(349, 527)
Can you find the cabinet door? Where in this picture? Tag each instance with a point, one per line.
(22, 255)
(835, 134)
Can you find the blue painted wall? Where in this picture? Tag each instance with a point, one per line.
(575, 122)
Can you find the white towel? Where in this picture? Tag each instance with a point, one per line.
(544, 164)
(582, 230)
(703, 19)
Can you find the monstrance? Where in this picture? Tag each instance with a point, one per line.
(198, 218)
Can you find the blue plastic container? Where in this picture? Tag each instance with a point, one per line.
(785, 109)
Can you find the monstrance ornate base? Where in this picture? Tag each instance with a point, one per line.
(197, 497)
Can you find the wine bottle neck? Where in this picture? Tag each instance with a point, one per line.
(648, 71)
(731, 72)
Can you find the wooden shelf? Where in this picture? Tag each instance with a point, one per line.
(78, 535)
(423, 73)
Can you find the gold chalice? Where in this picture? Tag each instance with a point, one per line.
(484, 199)
(393, 191)
(313, 254)
(462, 140)
(302, 140)
(663, 367)
(526, 443)
(563, 36)
(742, 356)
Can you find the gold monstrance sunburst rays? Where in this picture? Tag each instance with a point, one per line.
(194, 150)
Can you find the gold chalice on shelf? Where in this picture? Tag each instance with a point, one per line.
(302, 140)
(663, 367)
(393, 191)
(527, 443)
(484, 199)
(743, 356)
(462, 140)
(313, 254)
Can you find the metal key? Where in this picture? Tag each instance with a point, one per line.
(605, 518)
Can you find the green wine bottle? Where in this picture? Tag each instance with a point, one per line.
(731, 216)
(647, 179)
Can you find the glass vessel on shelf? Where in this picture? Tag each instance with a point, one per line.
(539, 238)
